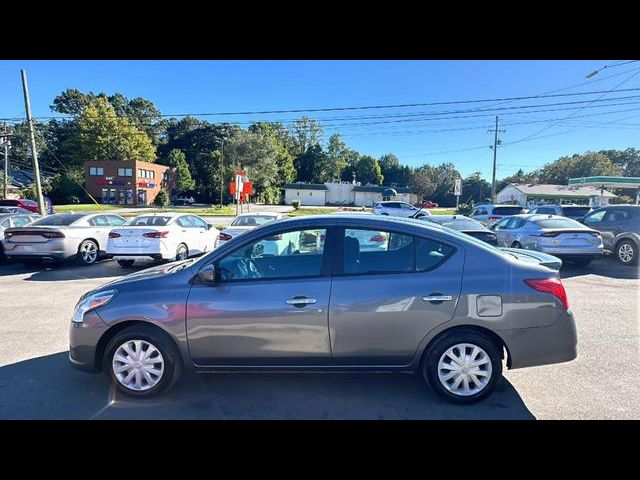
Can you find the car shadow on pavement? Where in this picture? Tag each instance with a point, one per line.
(605, 267)
(49, 388)
(48, 271)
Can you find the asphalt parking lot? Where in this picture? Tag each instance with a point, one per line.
(36, 381)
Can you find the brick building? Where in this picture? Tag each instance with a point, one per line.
(130, 182)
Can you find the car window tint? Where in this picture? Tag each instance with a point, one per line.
(507, 210)
(374, 251)
(558, 223)
(290, 254)
(149, 220)
(575, 211)
(431, 254)
(616, 215)
(99, 221)
(198, 222)
(116, 221)
(20, 221)
(545, 211)
(61, 219)
(5, 224)
(595, 217)
(185, 222)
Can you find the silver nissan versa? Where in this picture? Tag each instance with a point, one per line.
(431, 300)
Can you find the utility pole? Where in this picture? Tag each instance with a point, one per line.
(5, 141)
(36, 168)
(496, 142)
(221, 172)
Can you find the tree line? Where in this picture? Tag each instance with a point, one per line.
(114, 127)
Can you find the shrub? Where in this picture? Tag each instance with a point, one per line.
(162, 199)
(295, 203)
(464, 209)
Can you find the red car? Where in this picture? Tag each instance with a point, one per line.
(20, 202)
(429, 204)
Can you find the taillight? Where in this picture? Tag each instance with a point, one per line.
(53, 234)
(225, 236)
(8, 234)
(113, 235)
(156, 234)
(549, 234)
(550, 285)
(378, 238)
(493, 219)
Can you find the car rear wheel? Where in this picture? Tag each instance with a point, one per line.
(126, 263)
(182, 252)
(87, 252)
(463, 366)
(627, 252)
(142, 362)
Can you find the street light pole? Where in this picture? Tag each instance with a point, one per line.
(6, 163)
(221, 172)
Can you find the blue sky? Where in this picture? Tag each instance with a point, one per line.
(414, 134)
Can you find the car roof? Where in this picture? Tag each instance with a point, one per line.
(163, 214)
(251, 214)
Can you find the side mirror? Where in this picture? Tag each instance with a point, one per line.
(493, 227)
(209, 226)
(207, 274)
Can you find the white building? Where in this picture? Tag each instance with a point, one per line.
(342, 194)
(528, 195)
(307, 193)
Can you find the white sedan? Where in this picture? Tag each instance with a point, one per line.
(166, 236)
(245, 222)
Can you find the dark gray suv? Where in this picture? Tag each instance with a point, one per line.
(340, 292)
(619, 226)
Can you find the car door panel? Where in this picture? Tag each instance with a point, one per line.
(381, 318)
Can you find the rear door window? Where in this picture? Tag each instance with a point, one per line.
(99, 221)
(116, 221)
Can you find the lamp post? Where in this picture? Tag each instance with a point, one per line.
(596, 72)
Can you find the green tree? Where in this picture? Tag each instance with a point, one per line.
(368, 171)
(307, 133)
(474, 188)
(162, 199)
(177, 160)
(335, 160)
(309, 165)
(394, 173)
(579, 165)
(422, 182)
(102, 135)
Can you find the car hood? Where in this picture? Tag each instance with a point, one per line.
(148, 274)
(539, 258)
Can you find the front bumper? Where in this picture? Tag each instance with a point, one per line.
(530, 347)
(83, 340)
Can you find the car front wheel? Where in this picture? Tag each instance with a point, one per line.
(463, 366)
(627, 252)
(142, 362)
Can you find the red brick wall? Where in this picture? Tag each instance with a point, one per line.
(134, 184)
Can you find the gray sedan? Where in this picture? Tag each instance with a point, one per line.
(62, 236)
(552, 234)
(327, 304)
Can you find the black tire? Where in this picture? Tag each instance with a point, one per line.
(436, 350)
(86, 260)
(581, 262)
(631, 248)
(516, 245)
(162, 342)
(126, 263)
(182, 250)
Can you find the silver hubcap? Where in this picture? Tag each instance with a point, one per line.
(182, 253)
(138, 365)
(625, 252)
(89, 252)
(464, 369)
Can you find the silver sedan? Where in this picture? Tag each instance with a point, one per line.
(62, 236)
(559, 236)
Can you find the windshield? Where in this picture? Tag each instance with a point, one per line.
(252, 220)
(149, 221)
(507, 210)
(558, 223)
(61, 219)
(575, 211)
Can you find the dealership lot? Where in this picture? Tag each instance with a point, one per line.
(37, 382)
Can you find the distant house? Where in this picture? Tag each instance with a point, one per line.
(342, 194)
(532, 194)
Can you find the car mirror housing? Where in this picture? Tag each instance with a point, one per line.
(207, 274)
(209, 226)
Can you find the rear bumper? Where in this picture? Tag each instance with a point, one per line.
(163, 252)
(54, 249)
(530, 347)
(135, 256)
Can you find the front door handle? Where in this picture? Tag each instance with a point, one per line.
(301, 301)
(437, 298)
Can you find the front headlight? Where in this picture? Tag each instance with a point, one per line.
(90, 303)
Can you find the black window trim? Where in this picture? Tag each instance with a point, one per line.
(328, 253)
(338, 254)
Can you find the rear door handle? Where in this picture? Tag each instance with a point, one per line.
(301, 301)
(437, 298)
